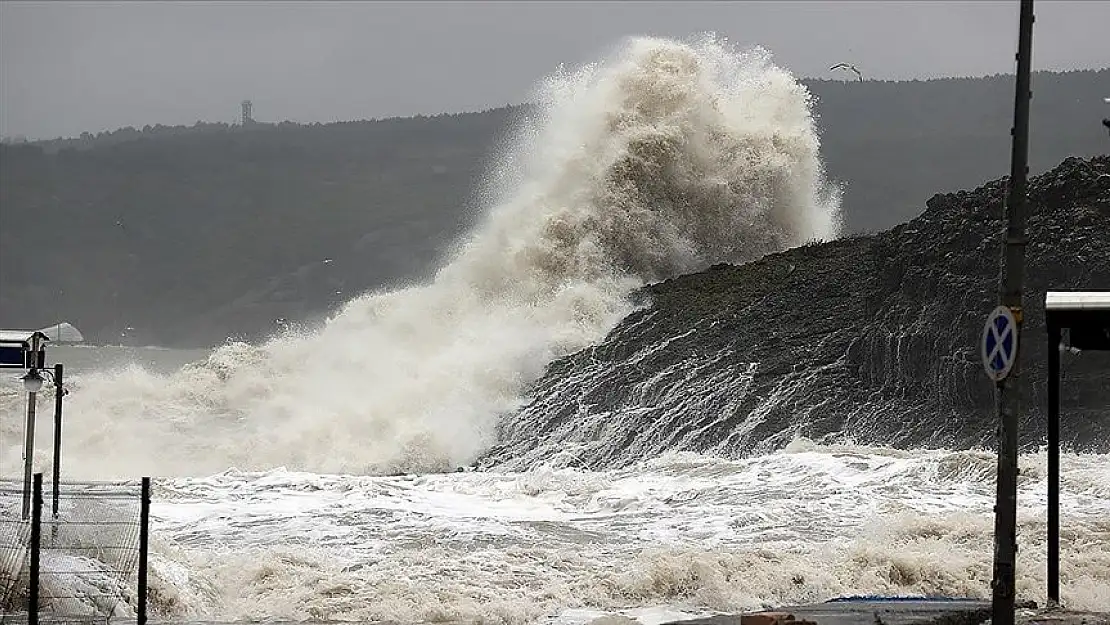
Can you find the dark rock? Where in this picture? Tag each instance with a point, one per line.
(867, 338)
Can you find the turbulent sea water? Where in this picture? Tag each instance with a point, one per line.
(684, 534)
(313, 476)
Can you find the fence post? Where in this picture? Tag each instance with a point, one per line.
(144, 544)
(58, 394)
(36, 544)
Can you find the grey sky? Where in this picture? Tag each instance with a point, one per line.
(70, 67)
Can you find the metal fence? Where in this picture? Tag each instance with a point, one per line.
(80, 558)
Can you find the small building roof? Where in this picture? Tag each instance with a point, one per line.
(1077, 300)
(21, 336)
(62, 332)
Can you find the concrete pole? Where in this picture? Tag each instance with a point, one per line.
(1009, 400)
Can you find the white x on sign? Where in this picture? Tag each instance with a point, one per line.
(998, 346)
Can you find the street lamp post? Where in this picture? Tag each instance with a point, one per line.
(32, 383)
(20, 349)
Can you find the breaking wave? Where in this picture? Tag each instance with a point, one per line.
(662, 159)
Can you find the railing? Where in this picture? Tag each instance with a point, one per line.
(87, 563)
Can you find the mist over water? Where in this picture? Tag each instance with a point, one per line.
(662, 159)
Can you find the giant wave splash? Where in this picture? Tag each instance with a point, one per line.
(662, 159)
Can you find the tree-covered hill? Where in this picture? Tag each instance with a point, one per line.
(186, 235)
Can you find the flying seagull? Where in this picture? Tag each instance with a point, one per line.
(849, 67)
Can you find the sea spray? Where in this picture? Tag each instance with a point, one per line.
(661, 159)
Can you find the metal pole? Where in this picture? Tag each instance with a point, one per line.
(1053, 463)
(28, 455)
(36, 547)
(144, 544)
(1009, 389)
(58, 394)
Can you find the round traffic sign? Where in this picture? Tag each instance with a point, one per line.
(999, 344)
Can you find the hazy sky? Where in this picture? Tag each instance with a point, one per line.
(70, 67)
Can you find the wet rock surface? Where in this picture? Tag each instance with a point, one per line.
(872, 339)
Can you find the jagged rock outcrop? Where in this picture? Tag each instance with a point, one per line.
(869, 338)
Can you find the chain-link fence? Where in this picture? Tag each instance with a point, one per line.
(89, 564)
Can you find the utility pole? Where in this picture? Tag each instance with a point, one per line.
(1008, 396)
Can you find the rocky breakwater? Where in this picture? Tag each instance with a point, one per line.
(872, 339)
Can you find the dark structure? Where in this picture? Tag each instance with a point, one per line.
(22, 349)
(1086, 316)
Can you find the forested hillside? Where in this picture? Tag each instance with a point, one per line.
(184, 236)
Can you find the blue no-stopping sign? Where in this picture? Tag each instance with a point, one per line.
(999, 344)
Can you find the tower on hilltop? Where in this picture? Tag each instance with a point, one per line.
(247, 119)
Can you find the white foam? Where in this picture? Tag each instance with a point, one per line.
(661, 159)
(680, 534)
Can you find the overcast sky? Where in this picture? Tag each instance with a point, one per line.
(71, 67)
